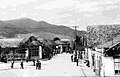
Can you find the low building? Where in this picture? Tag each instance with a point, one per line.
(33, 48)
(63, 45)
(9, 48)
(16, 48)
(105, 59)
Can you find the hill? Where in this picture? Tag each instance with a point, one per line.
(10, 28)
(100, 34)
(42, 34)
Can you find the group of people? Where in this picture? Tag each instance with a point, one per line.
(38, 64)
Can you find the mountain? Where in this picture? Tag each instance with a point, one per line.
(44, 35)
(10, 28)
(100, 34)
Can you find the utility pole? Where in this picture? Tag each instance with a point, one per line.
(87, 39)
(76, 53)
(113, 28)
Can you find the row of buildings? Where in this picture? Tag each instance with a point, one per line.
(105, 58)
(31, 48)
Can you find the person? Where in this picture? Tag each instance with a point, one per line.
(72, 58)
(87, 63)
(12, 63)
(77, 62)
(33, 62)
(22, 64)
(38, 65)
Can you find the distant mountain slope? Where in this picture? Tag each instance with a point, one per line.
(26, 25)
(9, 30)
(101, 34)
(44, 35)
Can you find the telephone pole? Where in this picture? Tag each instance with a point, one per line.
(113, 28)
(76, 53)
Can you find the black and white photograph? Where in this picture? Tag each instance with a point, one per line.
(59, 38)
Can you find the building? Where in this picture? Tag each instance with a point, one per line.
(105, 59)
(63, 45)
(33, 48)
(9, 48)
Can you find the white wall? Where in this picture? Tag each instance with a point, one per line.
(109, 66)
(40, 52)
(90, 56)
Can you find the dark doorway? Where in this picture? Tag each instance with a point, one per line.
(64, 49)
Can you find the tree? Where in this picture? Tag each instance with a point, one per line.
(56, 38)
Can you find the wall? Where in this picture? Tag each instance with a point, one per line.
(109, 66)
(107, 63)
(40, 52)
(90, 56)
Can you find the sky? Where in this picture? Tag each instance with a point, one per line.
(81, 13)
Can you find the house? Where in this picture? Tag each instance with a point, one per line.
(21, 48)
(105, 58)
(63, 45)
(33, 48)
(9, 48)
(95, 57)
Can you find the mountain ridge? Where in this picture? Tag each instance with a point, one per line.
(10, 28)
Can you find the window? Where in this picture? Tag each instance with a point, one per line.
(35, 51)
(117, 65)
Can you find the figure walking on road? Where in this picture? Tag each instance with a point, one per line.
(38, 65)
(22, 67)
(72, 58)
(33, 62)
(12, 63)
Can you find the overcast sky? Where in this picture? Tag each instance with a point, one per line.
(63, 12)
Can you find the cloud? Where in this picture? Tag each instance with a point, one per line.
(3, 13)
(96, 6)
(13, 9)
(24, 15)
(14, 3)
(80, 6)
(56, 4)
(117, 20)
(60, 16)
(88, 15)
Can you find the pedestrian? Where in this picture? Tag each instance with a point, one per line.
(72, 58)
(33, 62)
(87, 63)
(22, 67)
(12, 63)
(77, 62)
(38, 65)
